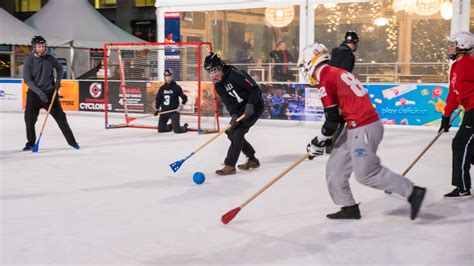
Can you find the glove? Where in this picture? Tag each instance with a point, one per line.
(156, 112)
(444, 124)
(316, 147)
(180, 108)
(233, 123)
(44, 98)
(57, 85)
(249, 110)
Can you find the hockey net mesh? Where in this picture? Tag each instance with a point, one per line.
(134, 73)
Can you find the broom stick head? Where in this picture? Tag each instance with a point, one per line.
(226, 218)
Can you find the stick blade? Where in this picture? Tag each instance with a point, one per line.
(129, 119)
(35, 148)
(226, 218)
(176, 165)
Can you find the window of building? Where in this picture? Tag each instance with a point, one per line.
(105, 3)
(395, 45)
(5, 63)
(144, 29)
(144, 3)
(27, 5)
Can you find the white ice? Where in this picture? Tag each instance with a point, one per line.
(116, 201)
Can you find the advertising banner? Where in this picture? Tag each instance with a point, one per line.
(291, 102)
(91, 96)
(172, 35)
(68, 95)
(409, 104)
(10, 95)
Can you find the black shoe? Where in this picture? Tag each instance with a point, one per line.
(458, 193)
(349, 212)
(415, 199)
(28, 148)
(75, 146)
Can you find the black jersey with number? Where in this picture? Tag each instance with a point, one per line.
(236, 89)
(168, 96)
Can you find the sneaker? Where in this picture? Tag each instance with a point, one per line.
(249, 164)
(227, 170)
(75, 146)
(348, 212)
(28, 148)
(458, 193)
(415, 199)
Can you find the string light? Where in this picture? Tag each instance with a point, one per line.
(279, 16)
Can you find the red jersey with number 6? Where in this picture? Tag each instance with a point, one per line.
(339, 87)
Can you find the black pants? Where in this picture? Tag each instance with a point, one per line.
(163, 125)
(238, 143)
(32, 109)
(463, 152)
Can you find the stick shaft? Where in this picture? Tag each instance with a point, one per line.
(429, 145)
(217, 135)
(275, 179)
(49, 110)
(160, 113)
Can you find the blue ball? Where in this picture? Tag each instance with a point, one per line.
(199, 178)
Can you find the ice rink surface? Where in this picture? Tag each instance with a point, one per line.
(116, 201)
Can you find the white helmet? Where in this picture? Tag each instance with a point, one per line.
(464, 40)
(311, 57)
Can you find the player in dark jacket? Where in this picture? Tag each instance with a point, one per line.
(38, 74)
(242, 96)
(167, 99)
(461, 92)
(343, 56)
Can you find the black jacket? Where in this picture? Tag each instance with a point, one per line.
(343, 57)
(281, 72)
(38, 73)
(168, 96)
(236, 89)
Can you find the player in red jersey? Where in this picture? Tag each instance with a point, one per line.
(345, 99)
(461, 92)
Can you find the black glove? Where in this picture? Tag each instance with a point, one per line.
(444, 124)
(233, 123)
(316, 147)
(249, 110)
(57, 85)
(44, 98)
(156, 113)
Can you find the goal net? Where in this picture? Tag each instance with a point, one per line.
(133, 73)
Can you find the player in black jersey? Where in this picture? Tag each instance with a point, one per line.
(167, 99)
(241, 95)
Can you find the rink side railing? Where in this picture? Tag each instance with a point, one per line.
(397, 72)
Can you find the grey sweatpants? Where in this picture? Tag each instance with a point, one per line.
(355, 151)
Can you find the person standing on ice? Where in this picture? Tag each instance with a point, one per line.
(345, 99)
(38, 74)
(343, 56)
(461, 92)
(242, 96)
(167, 99)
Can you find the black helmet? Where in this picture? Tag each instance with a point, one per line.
(351, 37)
(38, 40)
(169, 72)
(213, 62)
